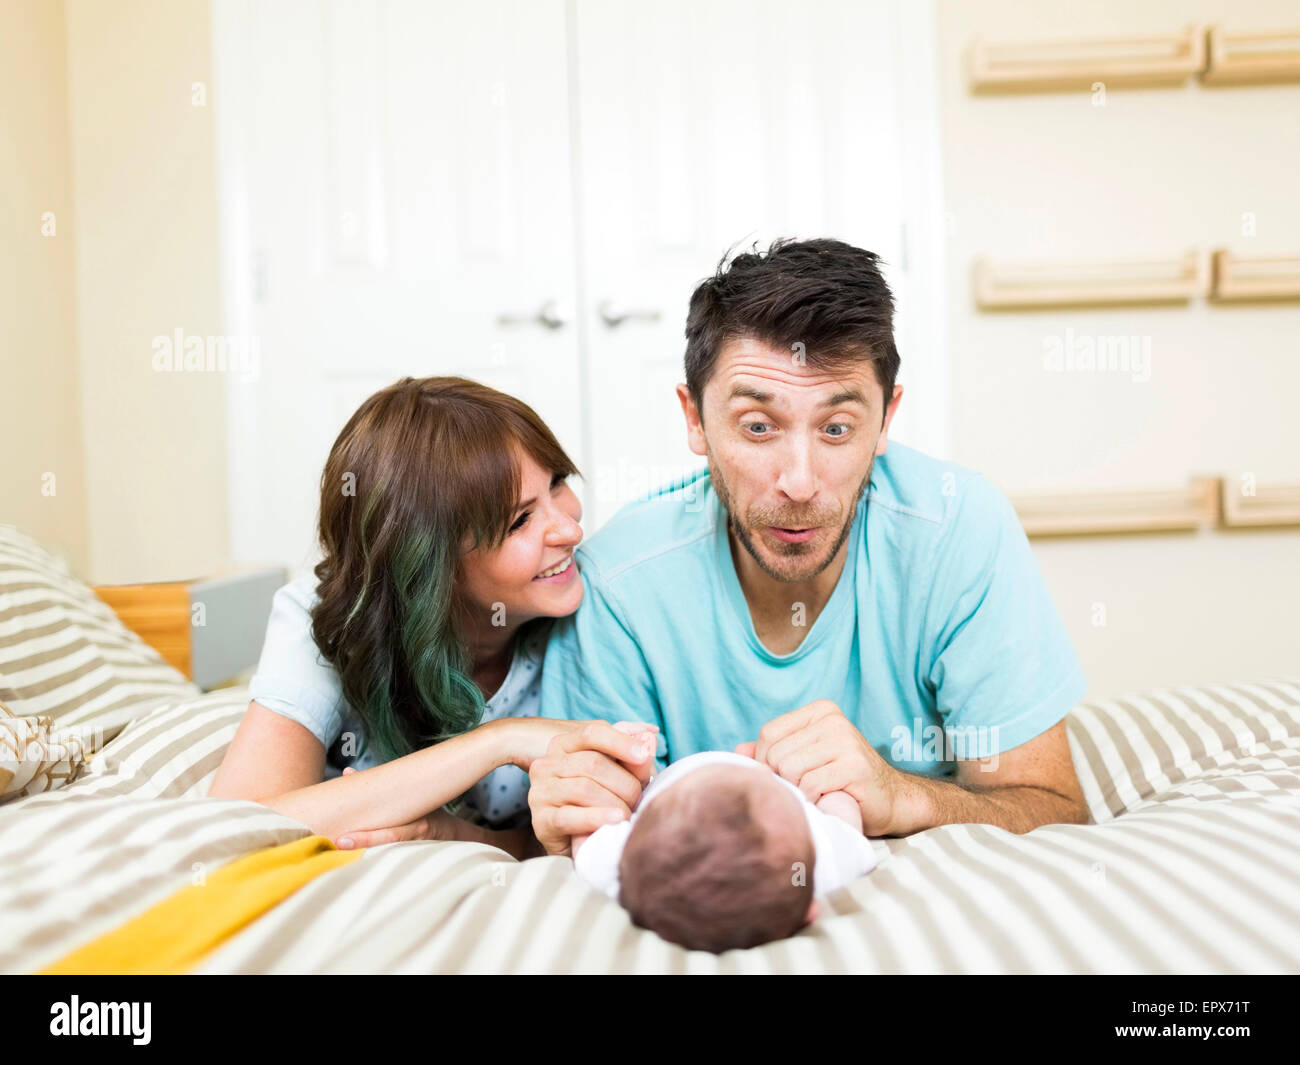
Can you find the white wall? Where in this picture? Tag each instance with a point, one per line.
(108, 113)
(146, 265)
(40, 432)
(1050, 176)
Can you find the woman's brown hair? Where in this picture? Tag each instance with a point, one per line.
(423, 471)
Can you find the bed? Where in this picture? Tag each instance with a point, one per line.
(1191, 866)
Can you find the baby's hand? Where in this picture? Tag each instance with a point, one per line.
(639, 728)
(842, 805)
(633, 727)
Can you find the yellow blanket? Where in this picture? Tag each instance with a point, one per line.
(174, 934)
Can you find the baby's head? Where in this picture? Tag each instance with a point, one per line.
(722, 859)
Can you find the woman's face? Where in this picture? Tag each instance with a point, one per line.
(532, 574)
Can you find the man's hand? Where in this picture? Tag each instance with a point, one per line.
(818, 750)
(1020, 789)
(588, 778)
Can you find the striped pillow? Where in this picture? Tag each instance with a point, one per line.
(1189, 744)
(64, 654)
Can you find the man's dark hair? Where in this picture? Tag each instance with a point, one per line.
(824, 294)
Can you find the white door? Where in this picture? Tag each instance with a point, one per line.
(400, 175)
(703, 126)
(408, 186)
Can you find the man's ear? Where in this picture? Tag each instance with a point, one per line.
(813, 911)
(694, 423)
(883, 441)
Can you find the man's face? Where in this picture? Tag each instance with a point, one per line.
(790, 450)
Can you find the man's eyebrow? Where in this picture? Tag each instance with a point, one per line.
(848, 395)
(750, 392)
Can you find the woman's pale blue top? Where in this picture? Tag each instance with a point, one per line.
(293, 679)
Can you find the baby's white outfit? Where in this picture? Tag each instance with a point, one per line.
(842, 855)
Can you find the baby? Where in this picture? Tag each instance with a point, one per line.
(723, 853)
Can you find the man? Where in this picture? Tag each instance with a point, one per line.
(859, 619)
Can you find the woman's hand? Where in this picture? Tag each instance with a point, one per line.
(525, 739)
(438, 825)
(518, 741)
(446, 828)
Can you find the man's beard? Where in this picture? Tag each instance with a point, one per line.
(778, 519)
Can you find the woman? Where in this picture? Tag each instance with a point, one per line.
(448, 532)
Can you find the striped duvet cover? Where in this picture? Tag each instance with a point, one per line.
(1192, 864)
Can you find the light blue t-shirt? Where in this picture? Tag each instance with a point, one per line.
(939, 641)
